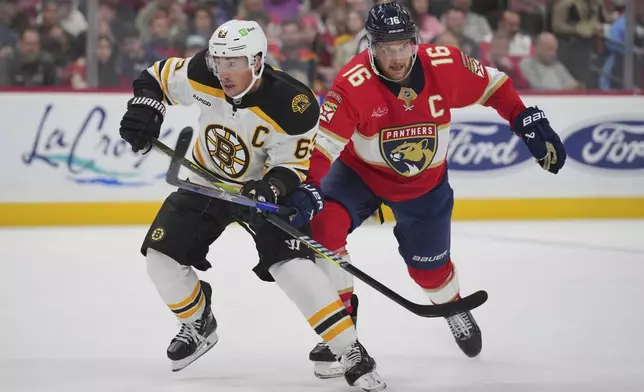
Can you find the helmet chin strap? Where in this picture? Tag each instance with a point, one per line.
(252, 82)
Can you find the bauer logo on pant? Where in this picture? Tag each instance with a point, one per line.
(409, 150)
(157, 234)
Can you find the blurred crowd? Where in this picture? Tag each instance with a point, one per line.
(541, 44)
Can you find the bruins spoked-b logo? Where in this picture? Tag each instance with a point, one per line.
(409, 150)
(227, 150)
(157, 234)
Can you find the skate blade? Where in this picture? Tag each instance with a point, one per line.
(325, 370)
(370, 382)
(210, 342)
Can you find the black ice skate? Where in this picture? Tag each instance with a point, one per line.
(325, 365)
(466, 333)
(360, 369)
(196, 338)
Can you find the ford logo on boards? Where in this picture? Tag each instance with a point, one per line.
(608, 144)
(477, 146)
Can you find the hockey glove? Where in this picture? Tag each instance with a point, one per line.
(261, 190)
(542, 141)
(142, 122)
(307, 201)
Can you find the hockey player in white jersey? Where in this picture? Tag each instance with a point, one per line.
(257, 126)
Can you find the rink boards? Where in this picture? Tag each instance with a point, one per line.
(63, 161)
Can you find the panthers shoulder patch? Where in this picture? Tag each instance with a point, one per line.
(473, 65)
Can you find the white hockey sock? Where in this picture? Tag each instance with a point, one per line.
(178, 286)
(447, 292)
(309, 288)
(341, 280)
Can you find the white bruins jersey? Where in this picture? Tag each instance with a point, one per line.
(242, 140)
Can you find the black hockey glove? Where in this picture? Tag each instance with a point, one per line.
(542, 141)
(307, 200)
(261, 190)
(142, 122)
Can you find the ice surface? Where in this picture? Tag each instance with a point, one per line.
(566, 313)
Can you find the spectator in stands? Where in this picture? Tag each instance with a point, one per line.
(454, 20)
(576, 23)
(71, 19)
(202, 22)
(272, 36)
(280, 10)
(53, 38)
(28, 66)
(428, 25)
(543, 70)
(250, 6)
(194, 45)
(344, 44)
(150, 12)
(612, 73)
(219, 9)
(106, 58)
(134, 56)
(160, 41)
(8, 37)
(447, 39)
(509, 25)
(476, 26)
(294, 57)
(499, 57)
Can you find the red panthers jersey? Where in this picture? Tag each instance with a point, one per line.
(395, 137)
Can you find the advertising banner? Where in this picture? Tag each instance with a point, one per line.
(61, 153)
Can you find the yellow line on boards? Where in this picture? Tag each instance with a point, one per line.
(142, 213)
(69, 214)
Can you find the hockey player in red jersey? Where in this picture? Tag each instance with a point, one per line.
(387, 119)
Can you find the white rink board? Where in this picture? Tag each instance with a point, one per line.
(65, 147)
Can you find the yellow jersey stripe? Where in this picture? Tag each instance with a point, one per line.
(259, 112)
(202, 88)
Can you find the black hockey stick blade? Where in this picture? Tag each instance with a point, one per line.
(176, 160)
(439, 310)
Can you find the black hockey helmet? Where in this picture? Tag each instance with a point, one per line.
(388, 22)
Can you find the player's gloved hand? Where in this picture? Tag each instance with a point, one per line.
(261, 190)
(142, 122)
(307, 200)
(542, 141)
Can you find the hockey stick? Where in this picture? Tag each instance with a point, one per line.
(178, 159)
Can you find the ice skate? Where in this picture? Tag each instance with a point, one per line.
(325, 364)
(194, 339)
(466, 333)
(360, 369)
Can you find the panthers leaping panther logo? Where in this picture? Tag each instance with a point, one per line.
(409, 150)
(415, 155)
